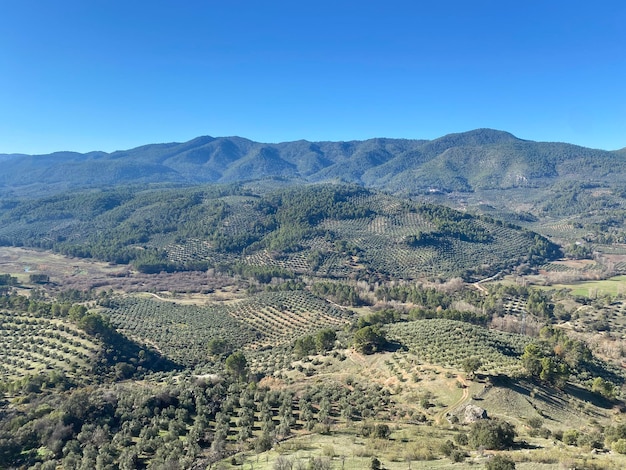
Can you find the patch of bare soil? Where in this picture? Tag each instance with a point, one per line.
(83, 275)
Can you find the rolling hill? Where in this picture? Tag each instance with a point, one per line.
(321, 229)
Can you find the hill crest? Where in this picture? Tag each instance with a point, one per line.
(467, 161)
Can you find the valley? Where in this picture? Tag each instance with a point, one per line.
(278, 323)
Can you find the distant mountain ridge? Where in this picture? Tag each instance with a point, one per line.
(468, 161)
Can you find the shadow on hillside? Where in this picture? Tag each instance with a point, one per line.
(589, 397)
(393, 346)
(551, 396)
(126, 358)
(523, 445)
(531, 390)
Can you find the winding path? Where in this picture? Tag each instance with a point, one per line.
(439, 417)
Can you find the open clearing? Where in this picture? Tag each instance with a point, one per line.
(613, 286)
(193, 288)
(21, 263)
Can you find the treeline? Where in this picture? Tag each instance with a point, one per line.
(6, 282)
(466, 316)
(296, 212)
(433, 303)
(342, 294)
(425, 297)
(323, 340)
(120, 225)
(555, 356)
(108, 224)
(573, 198)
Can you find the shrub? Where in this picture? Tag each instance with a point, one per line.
(591, 440)
(320, 463)
(461, 439)
(500, 462)
(619, 446)
(263, 442)
(604, 388)
(283, 463)
(382, 431)
(614, 433)
(570, 437)
(457, 455)
(492, 434)
(447, 448)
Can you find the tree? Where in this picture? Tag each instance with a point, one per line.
(549, 369)
(263, 442)
(382, 431)
(94, 324)
(77, 312)
(471, 365)
(531, 359)
(369, 340)
(325, 339)
(604, 388)
(554, 372)
(304, 346)
(218, 346)
(237, 365)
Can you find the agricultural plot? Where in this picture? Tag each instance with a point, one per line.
(194, 250)
(515, 306)
(242, 215)
(280, 317)
(560, 230)
(557, 268)
(375, 236)
(30, 345)
(575, 266)
(182, 332)
(617, 249)
(384, 248)
(296, 262)
(378, 202)
(449, 343)
(47, 230)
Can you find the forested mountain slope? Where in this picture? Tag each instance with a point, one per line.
(324, 229)
(475, 160)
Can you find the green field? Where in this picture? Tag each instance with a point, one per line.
(593, 289)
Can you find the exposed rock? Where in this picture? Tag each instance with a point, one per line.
(473, 413)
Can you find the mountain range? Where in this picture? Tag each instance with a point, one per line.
(481, 159)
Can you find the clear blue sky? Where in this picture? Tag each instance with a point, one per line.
(106, 74)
